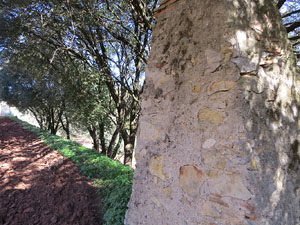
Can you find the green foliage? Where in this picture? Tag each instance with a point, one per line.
(113, 178)
(90, 54)
(118, 191)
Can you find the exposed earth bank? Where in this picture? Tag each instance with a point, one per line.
(38, 185)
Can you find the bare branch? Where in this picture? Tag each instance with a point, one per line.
(293, 26)
(290, 13)
(296, 43)
(294, 38)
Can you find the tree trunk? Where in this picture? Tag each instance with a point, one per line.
(129, 142)
(93, 133)
(65, 125)
(38, 118)
(67, 128)
(52, 126)
(117, 147)
(128, 150)
(112, 143)
(102, 138)
(129, 138)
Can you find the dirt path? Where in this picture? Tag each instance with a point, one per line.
(38, 185)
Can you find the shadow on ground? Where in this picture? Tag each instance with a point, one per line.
(38, 185)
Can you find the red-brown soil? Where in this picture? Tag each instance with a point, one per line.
(38, 185)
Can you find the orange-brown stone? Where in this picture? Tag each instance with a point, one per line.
(191, 180)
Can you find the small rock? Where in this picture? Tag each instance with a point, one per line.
(209, 143)
(167, 191)
(245, 65)
(213, 60)
(230, 185)
(149, 132)
(156, 168)
(209, 210)
(221, 164)
(191, 180)
(197, 88)
(221, 86)
(160, 65)
(210, 116)
(213, 174)
(47, 212)
(53, 219)
(29, 210)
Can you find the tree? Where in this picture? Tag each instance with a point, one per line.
(290, 11)
(110, 38)
(28, 83)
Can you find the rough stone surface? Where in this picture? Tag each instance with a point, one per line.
(156, 167)
(245, 65)
(213, 60)
(210, 116)
(230, 185)
(197, 88)
(191, 180)
(221, 86)
(209, 143)
(222, 97)
(209, 210)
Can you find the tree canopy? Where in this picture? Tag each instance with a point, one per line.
(86, 58)
(290, 12)
(82, 63)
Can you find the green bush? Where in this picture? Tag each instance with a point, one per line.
(113, 178)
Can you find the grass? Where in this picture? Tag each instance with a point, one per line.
(113, 178)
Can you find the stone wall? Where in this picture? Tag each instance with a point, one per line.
(218, 131)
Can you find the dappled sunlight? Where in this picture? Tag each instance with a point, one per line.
(235, 126)
(44, 166)
(30, 158)
(38, 185)
(269, 84)
(279, 181)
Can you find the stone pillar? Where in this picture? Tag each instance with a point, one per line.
(217, 140)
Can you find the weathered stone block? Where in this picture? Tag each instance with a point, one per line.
(209, 143)
(191, 180)
(222, 86)
(197, 88)
(209, 210)
(149, 132)
(232, 186)
(221, 164)
(167, 191)
(156, 167)
(213, 59)
(245, 65)
(213, 174)
(210, 116)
